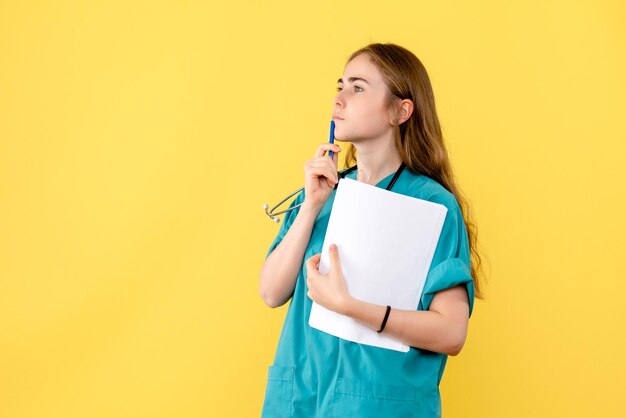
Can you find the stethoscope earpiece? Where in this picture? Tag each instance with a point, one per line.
(274, 216)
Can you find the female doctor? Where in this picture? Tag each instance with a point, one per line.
(385, 109)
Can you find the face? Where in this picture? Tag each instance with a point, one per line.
(360, 107)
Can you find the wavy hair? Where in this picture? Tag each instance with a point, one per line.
(419, 139)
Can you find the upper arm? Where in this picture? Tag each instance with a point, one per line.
(453, 305)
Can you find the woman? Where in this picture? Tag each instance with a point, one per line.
(385, 109)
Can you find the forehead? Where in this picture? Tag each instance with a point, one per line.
(361, 66)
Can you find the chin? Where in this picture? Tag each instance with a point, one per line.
(339, 136)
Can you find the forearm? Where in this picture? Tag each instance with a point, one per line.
(280, 270)
(427, 330)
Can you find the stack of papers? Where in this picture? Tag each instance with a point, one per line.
(386, 243)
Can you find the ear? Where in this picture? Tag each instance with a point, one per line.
(403, 111)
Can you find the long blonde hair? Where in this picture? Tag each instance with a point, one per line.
(419, 139)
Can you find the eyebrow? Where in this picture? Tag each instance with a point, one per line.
(352, 79)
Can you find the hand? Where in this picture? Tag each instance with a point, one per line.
(320, 176)
(328, 290)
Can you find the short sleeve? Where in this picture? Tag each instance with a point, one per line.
(286, 222)
(451, 262)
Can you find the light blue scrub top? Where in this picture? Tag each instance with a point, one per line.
(316, 374)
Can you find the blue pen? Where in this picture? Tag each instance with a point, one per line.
(331, 140)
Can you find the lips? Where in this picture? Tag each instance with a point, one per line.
(335, 117)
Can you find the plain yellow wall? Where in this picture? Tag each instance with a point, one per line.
(139, 141)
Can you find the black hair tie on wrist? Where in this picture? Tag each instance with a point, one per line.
(382, 326)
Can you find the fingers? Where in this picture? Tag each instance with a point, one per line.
(311, 267)
(320, 174)
(323, 164)
(326, 147)
(313, 262)
(322, 167)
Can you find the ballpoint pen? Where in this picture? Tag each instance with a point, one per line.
(331, 140)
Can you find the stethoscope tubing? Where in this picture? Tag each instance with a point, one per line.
(341, 175)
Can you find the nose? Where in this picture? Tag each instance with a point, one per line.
(339, 101)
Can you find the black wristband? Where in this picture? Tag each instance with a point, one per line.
(382, 326)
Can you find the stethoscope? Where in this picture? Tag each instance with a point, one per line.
(341, 175)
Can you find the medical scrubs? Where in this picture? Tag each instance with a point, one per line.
(316, 374)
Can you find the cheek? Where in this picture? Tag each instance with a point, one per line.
(375, 117)
(374, 108)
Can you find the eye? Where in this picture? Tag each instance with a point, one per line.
(338, 88)
(358, 89)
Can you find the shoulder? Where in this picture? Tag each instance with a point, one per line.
(424, 187)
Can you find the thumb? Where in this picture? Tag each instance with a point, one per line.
(334, 256)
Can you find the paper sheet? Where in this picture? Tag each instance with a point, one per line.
(386, 243)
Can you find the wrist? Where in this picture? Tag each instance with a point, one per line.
(350, 306)
(311, 208)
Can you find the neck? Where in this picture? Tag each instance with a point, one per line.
(376, 160)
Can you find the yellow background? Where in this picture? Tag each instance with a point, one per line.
(139, 141)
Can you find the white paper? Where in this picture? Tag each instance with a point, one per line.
(386, 243)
